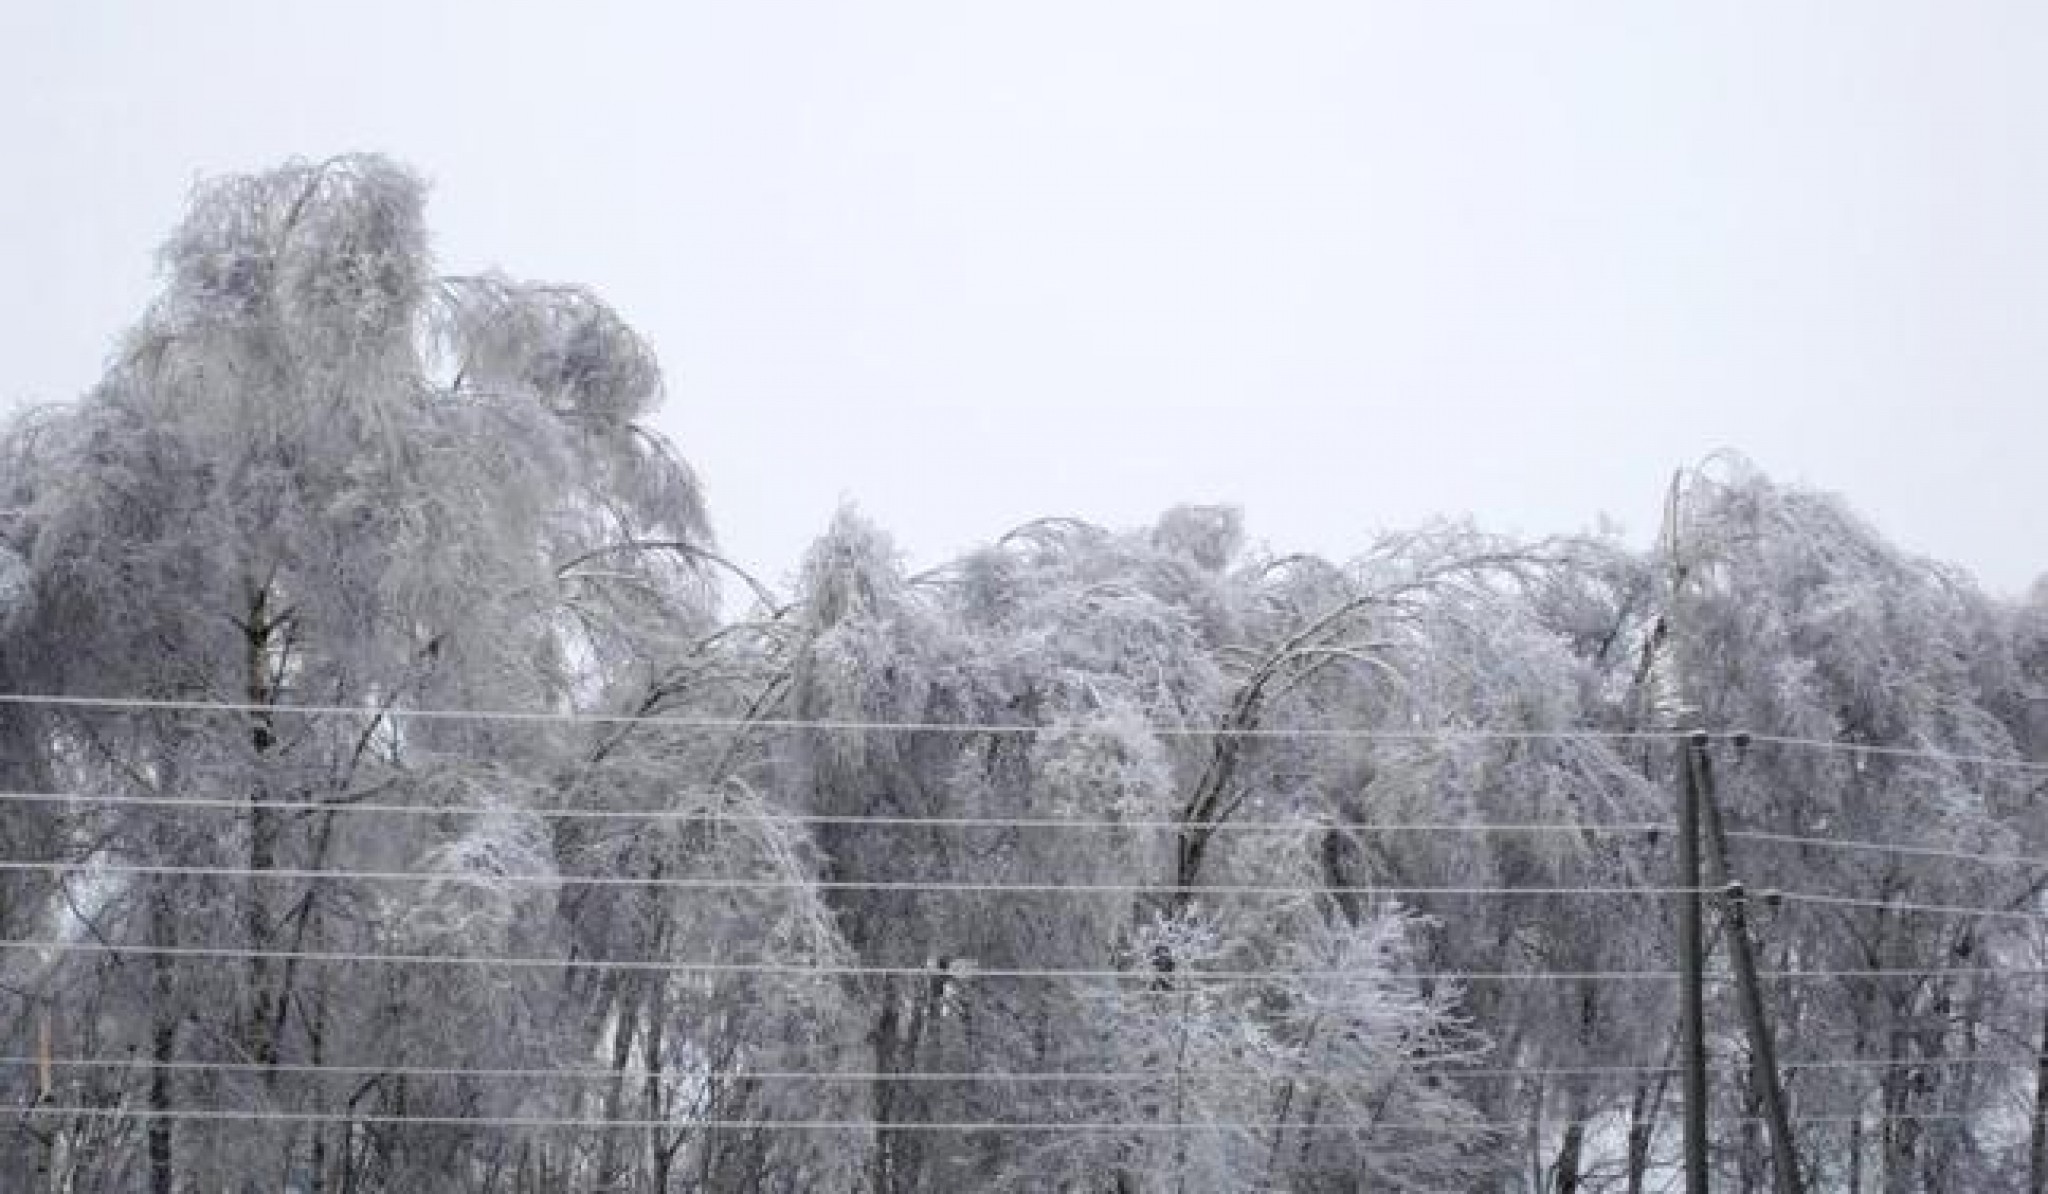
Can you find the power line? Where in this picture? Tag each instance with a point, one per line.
(882, 820)
(998, 1077)
(1841, 901)
(963, 972)
(1851, 844)
(586, 1124)
(692, 722)
(675, 721)
(1901, 752)
(1967, 1061)
(1048, 1077)
(737, 883)
(1306, 824)
(591, 1074)
(965, 887)
(1441, 1125)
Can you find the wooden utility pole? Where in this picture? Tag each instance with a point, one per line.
(1692, 961)
(1692, 1025)
(1763, 1049)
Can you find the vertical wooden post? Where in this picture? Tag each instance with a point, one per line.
(1763, 1049)
(1691, 961)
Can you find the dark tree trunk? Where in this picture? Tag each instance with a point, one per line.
(264, 1012)
(163, 1178)
(1565, 1170)
(2037, 1147)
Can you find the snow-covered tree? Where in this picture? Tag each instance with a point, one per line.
(1092, 860)
(317, 474)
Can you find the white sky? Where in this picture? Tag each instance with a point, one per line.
(1346, 264)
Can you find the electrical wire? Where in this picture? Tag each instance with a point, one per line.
(964, 887)
(1306, 824)
(723, 817)
(674, 721)
(996, 1077)
(1445, 1124)
(1851, 844)
(962, 972)
(1925, 754)
(693, 722)
(736, 883)
(1840, 901)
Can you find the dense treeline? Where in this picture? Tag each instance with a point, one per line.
(317, 474)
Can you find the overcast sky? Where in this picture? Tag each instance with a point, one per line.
(1349, 265)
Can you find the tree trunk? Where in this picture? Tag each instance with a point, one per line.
(1284, 1105)
(882, 1172)
(662, 1152)
(2037, 1147)
(163, 1177)
(162, 1169)
(263, 833)
(1564, 1172)
(1534, 1140)
(625, 1027)
(316, 1054)
(1642, 1118)
(1898, 1133)
(1642, 1127)
(1750, 1164)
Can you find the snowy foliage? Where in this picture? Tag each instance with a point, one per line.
(764, 890)
(17, 590)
